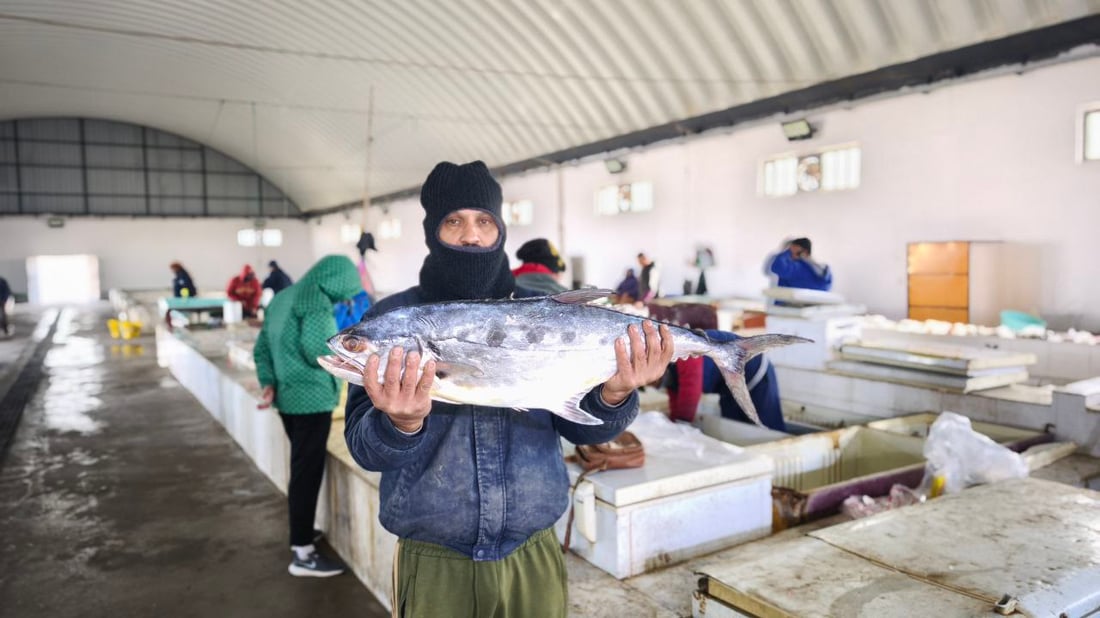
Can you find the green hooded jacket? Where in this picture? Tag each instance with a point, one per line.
(297, 325)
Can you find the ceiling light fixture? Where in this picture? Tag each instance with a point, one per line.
(797, 129)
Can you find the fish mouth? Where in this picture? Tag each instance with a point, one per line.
(341, 367)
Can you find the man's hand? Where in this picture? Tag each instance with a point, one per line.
(644, 362)
(404, 399)
(267, 397)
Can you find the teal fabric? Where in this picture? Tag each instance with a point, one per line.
(297, 324)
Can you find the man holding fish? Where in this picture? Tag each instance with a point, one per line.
(463, 387)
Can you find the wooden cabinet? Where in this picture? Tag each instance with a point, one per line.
(971, 281)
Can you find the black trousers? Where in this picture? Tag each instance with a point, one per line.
(308, 435)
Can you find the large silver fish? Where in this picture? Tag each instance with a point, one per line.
(545, 352)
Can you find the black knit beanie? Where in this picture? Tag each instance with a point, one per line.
(462, 273)
(541, 251)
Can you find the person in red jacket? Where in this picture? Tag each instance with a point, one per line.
(245, 288)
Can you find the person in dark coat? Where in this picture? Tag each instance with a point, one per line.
(182, 286)
(627, 291)
(278, 280)
(5, 294)
(473, 491)
(649, 281)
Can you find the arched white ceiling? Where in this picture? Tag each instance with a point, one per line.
(284, 86)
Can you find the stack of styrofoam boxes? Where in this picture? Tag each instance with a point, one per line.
(827, 335)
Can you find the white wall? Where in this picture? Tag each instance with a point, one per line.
(990, 159)
(135, 253)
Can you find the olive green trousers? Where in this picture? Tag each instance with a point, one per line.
(431, 581)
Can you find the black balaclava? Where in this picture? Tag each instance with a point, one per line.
(462, 273)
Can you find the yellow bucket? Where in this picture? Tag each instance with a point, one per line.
(113, 326)
(130, 330)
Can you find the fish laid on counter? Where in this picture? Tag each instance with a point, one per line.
(545, 352)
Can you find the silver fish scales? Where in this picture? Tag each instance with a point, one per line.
(545, 352)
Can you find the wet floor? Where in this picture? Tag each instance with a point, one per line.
(121, 496)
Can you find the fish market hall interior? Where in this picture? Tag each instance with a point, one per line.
(204, 207)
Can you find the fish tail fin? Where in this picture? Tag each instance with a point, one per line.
(731, 356)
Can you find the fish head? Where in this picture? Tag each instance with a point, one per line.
(353, 347)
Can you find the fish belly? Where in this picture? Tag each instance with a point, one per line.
(472, 373)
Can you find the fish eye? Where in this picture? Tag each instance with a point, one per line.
(354, 344)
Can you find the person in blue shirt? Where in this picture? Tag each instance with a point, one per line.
(689, 378)
(473, 492)
(795, 267)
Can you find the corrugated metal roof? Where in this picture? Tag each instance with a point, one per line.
(284, 86)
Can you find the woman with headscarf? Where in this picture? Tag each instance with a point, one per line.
(540, 268)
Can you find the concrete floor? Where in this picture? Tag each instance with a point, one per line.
(121, 496)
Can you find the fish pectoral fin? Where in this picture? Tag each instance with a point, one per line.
(580, 297)
(571, 411)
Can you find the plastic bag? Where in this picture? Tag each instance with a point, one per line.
(959, 457)
(858, 507)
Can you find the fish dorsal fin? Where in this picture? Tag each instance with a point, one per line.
(580, 297)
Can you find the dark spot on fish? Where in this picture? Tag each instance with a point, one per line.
(434, 348)
(496, 337)
(441, 374)
(535, 335)
(568, 336)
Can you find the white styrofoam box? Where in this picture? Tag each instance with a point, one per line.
(240, 354)
(813, 461)
(803, 295)
(1024, 414)
(232, 311)
(827, 334)
(632, 539)
(822, 417)
(920, 424)
(1070, 361)
(1034, 539)
(728, 318)
(977, 408)
(736, 432)
(1062, 360)
(694, 495)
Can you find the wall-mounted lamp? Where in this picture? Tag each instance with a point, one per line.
(797, 129)
(615, 166)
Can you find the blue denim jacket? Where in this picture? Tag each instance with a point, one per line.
(476, 479)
